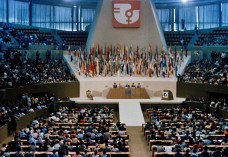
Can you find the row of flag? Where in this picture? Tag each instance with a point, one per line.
(125, 60)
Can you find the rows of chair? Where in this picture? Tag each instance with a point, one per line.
(73, 38)
(178, 38)
(24, 34)
(14, 73)
(32, 36)
(80, 130)
(218, 37)
(210, 71)
(176, 129)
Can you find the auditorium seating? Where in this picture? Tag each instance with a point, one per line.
(70, 125)
(183, 128)
(178, 38)
(81, 129)
(4, 37)
(32, 36)
(73, 38)
(211, 71)
(25, 105)
(14, 73)
(218, 37)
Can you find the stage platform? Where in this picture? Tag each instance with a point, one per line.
(130, 111)
(103, 100)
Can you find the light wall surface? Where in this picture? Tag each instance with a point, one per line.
(149, 33)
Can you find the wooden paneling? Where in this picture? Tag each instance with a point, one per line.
(127, 93)
(199, 90)
(62, 90)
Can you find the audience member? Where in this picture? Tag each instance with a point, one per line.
(206, 71)
(11, 111)
(198, 131)
(48, 135)
(34, 36)
(17, 72)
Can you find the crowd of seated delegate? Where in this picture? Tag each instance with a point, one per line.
(11, 111)
(4, 37)
(26, 39)
(219, 103)
(211, 71)
(4, 34)
(19, 70)
(212, 39)
(187, 131)
(85, 130)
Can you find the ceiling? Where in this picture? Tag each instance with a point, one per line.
(71, 3)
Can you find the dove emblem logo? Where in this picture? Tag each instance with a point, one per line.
(126, 13)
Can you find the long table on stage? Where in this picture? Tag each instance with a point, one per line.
(127, 93)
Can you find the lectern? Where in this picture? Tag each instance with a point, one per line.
(167, 95)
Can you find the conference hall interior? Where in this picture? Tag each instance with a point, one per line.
(113, 78)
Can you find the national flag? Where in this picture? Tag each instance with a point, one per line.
(105, 52)
(175, 55)
(110, 49)
(98, 49)
(156, 53)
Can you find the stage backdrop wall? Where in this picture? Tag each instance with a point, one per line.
(150, 31)
(101, 87)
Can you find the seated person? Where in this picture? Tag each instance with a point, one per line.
(160, 148)
(217, 152)
(127, 86)
(133, 85)
(148, 126)
(115, 85)
(178, 154)
(138, 86)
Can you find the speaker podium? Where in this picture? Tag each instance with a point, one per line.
(127, 93)
(167, 95)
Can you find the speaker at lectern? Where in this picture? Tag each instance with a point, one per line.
(167, 95)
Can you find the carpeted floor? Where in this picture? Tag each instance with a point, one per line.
(137, 142)
(130, 112)
(8, 139)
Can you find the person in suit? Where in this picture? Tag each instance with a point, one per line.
(178, 154)
(205, 152)
(127, 86)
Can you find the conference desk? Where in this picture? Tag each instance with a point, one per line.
(127, 93)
